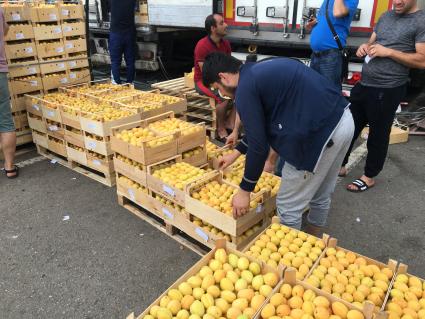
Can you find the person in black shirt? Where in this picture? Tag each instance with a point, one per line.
(122, 38)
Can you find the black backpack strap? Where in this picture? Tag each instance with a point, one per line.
(335, 35)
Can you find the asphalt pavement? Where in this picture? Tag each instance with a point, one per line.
(68, 250)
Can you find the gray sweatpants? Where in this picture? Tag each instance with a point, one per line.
(300, 189)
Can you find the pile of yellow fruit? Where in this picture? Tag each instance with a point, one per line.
(407, 298)
(283, 245)
(132, 184)
(174, 125)
(179, 174)
(159, 141)
(193, 152)
(267, 181)
(168, 202)
(211, 149)
(350, 277)
(219, 196)
(135, 136)
(228, 287)
(98, 88)
(114, 95)
(296, 302)
(130, 162)
(159, 98)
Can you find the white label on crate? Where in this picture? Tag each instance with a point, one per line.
(36, 107)
(65, 12)
(61, 65)
(53, 128)
(72, 64)
(67, 29)
(59, 49)
(91, 126)
(259, 209)
(69, 45)
(167, 213)
(96, 162)
(53, 17)
(91, 145)
(57, 30)
(73, 75)
(201, 233)
(19, 36)
(64, 80)
(34, 83)
(131, 194)
(32, 70)
(51, 113)
(16, 17)
(168, 190)
(29, 50)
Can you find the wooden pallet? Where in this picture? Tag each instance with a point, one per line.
(174, 87)
(162, 225)
(105, 179)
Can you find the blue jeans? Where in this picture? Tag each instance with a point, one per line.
(329, 64)
(123, 43)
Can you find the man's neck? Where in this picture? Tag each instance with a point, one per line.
(215, 38)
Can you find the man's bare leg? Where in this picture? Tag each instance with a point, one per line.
(8, 146)
(221, 119)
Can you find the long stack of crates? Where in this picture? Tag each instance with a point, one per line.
(45, 49)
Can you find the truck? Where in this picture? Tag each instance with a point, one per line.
(262, 27)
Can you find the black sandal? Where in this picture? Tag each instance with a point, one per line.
(361, 186)
(10, 171)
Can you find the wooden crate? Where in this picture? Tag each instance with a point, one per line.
(37, 123)
(45, 14)
(204, 261)
(24, 70)
(47, 32)
(79, 76)
(392, 264)
(53, 48)
(56, 145)
(50, 110)
(19, 32)
(15, 12)
(289, 277)
(24, 85)
(228, 224)
(55, 80)
(40, 138)
(20, 119)
(130, 171)
(197, 160)
(53, 67)
(72, 29)
(76, 155)
(104, 165)
(70, 119)
(70, 11)
(74, 137)
(55, 129)
(77, 64)
(143, 154)
(18, 103)
(104, 128)
(75, 45)
(186, 140)
(20, 50)
(33, 105)
(98, 144)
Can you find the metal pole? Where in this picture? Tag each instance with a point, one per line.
(87, 13)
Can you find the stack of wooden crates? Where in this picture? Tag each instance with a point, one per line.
(45, 49)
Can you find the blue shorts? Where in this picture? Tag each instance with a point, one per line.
(6, 119)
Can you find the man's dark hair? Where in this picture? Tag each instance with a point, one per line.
(218, 62)
(210, 22)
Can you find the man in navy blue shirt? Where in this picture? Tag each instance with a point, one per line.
(326, 57)
(122, 38)
(286, 106)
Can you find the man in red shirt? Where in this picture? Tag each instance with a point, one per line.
(214, 42)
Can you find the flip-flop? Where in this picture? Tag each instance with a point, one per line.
(361, 186)
(10, 171)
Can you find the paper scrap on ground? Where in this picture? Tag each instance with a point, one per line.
(53, 161)
(358, 220)
(65, 218)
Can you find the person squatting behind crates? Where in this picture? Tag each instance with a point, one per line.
(397, 44)
(328, 51)
(122, 39)
(214, 41)
(301, 116)
(7, 127)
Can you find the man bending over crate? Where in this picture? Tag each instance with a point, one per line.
(215, 42)
(291, 108)
(7, 127)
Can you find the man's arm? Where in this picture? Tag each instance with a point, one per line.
(201, 64)
(363, 50)
(340, 10)
(414, 60)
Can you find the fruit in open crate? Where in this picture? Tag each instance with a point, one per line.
(266, 181)
(407, 298)
(167, 202)
(211, 148)
(346, 275)
(280, 244)
(132, 184)
(173, 125)
(230, 286)
(219, 196)
(96, 88)
(178, 175)
(135, 136)
(130, 162)
(193, 152)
